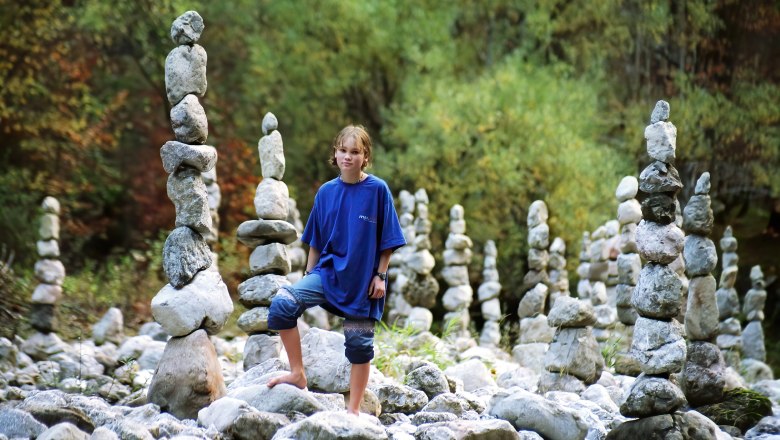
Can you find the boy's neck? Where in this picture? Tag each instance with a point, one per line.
(352, 177)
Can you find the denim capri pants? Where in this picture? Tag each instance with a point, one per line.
(290, 302)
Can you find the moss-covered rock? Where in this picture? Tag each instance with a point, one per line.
(740, 407)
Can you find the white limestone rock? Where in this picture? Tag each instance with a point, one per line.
(627, 188)
(203, 303)
(110, 328)
(271, 200)
(659, 346)
(188, 120)
(50, 227)
(188, 194)
(271, 150)
(270, 258)
(659, 243)
(254, 320)
(537, 214)
(661, 141)
(175, 154)
(50, 271)
(260, 290)
(46, 294)
(48, 248)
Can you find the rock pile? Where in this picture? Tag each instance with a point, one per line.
(421, 288)
(753, 348)
(398, 308)
(295, 249)
(269, 236)
(629, 214)
(702, 378)
(730, 329)
(573, 359)
(658, 344)
(535, 333)
(487, 294)
(457, 256)
(598, 267)
(196, 300)
(559, 276)
(603, 279)
(49, 270)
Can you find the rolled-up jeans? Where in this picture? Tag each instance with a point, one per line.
(290, 302)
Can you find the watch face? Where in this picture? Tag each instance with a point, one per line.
(382, 276)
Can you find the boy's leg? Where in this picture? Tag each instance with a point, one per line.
(287, 306)
(359, 344)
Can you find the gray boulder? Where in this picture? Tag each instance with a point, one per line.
(657, 294)
(203, 303)
(333, 425)
(700, 256)
(50, 271)
(468, 430)
(701, 316)
(15, 423)
(571, 312)
(177, 154)
(574, 351)
(327, 368)
(660, 177)
(185, 253)
(528, 411)
(64, 431)
(254, 233)
(659, 243)
(428, 379)
(186, 29)
(702, 379)
(399, 398)
(185, 72)
(651, 396)
(697, 215)
(659, 346)
(271, 200)
(188, 194)
(188, 120)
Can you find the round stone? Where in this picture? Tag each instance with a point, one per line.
(658, 293)
(659, 243)
(700, 255)
(627, 188)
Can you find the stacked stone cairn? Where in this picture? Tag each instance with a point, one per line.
(658, 344)
(629, 265)
(583, 270)
(573, 359)
(49, 270)
(730, 329)
(215, 197)
(559, 276)
(612, 250)
(702, 378)
(269, 236)
(535, 333)
(421, 288)
(398, 308)
(753, 335)
(196, 301)
(606, 314)
(295, 250)
(678, 266)
(487, 294)
(457, 256)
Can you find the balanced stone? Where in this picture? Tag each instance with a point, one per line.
(571, 312)
(575, 351)
(270, 258)
(661, 141)
(532, 303)
(188, 194)
(627, 188)
(186, 29)
(42, 317)
(757, 277)
(629, 211)
(271, 200)
(539, 236)
(488, 290)
(629, 267)
(657, 294)
(254, 320)
(659, 243)
(50, 227)
(174, 154)
(651, 396)
(659, 346)
(271, 151)
(203, 303)
(50, 271)
(457, 297)
(188, 376)
(260, 290)
(458, 241)
(728, 243)
(422, 242)
(270, 123)
(660, 112)
(730, 326)
(623, 294)
(659, 177)
(50, 205)
(558, 246)
(658, 208)
(457, 257)
(753, 309)
(728, 302)
(188, 120)
(457, 275)
(185, 253)
(421, 262)
(185, 72)
(753, 345)
(536, 329)
(537, 214)
(728, 277)
(701, 317)
(703, 378)
(627, 240)
(46, 294)
(538, 259)
(254, 233)
(420, 319)
(697, 215)
(48, 248)
(703, 184)
(627, 315)
(700, 256)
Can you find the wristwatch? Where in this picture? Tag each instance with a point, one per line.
(382, 275)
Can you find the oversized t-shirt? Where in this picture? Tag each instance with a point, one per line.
(351, 224)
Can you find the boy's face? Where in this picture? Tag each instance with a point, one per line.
(350, 157)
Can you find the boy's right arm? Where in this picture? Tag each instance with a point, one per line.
(313, 259)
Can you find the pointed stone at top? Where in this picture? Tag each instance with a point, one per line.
(756, 274)
(187, 28)
(703, 184)
(660, 112)
(269, 123)
(558, 246)
(456, 212)
(537, 214)
(50, 205)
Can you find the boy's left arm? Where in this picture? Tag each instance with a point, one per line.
(377, 287)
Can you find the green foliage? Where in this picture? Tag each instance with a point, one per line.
(741, 407)
(392, 341)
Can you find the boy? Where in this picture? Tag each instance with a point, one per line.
(352, 231)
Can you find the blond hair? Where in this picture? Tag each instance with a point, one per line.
(361, 137)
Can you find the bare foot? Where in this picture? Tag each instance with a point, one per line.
(295, 379)
(353, 412)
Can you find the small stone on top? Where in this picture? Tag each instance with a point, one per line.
(660, 112)
(269, 123)
(703, 184)
(186, 29)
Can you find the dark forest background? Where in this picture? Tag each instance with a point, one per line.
(490, 104)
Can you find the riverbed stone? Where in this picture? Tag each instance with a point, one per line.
(574, 351)
(700, 255)
(659, 346)
(188, 194)
(657, 294)
(697, 215)
(271, 200)
(627, 188)
(48, 248)
(187, 27)
(260, 290)
(271, 150)
(50, 271)
(185, 253)
(270, 258)
(650, 396)
(658, 208)
(185, 72)
(659, 243)
(571, 312)
(188, 120)
(254, 233)
(702, 378)
(203, 303)
(660, 177)
(661, 140)
(176, 154)
(49, 228)
(701, 317)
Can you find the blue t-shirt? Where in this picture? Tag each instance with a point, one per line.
(351, 224)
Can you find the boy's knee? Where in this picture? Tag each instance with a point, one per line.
(359, 341)
(284, 311)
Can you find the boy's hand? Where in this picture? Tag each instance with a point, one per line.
(376, 289)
